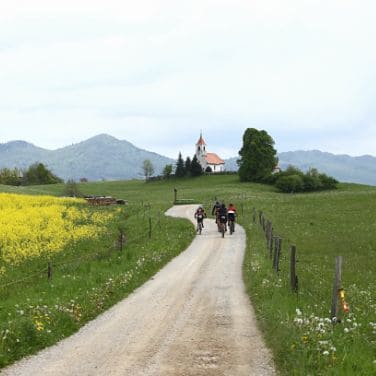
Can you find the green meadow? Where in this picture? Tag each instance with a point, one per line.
(88, 278)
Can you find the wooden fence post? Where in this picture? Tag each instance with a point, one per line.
(277, 253)
(272, 240)
(267, 232)
(336, 286)
(293, 277)
(254, 215)
(263, 223)
(121, 239)
(260, 217)
(149, 227)
(49, 271)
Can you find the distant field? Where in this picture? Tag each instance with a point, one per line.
(321, 225)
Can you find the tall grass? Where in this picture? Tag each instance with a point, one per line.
(296, 327)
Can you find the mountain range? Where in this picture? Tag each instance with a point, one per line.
(360, 170)
(104, 157)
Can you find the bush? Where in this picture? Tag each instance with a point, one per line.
(294, 180)
(38, 174)
(328, 182)
(290, 183)
(311, 183)
(71, 189)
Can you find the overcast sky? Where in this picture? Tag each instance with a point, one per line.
(157, 72)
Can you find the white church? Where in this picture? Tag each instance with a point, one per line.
(210, 162)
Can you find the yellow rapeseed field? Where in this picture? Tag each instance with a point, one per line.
(31, 226)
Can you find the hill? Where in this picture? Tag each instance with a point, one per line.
(361, 170)
(102, 157)
(344, 168)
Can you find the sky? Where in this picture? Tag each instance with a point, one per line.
(159, 72)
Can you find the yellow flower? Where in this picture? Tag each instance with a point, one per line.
(39, 326)
(31, 226)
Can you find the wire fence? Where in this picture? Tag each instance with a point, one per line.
(120, 240)
(313, 276)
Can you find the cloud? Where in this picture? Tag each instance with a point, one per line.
(304, 71)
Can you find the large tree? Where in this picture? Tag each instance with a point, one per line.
(180, 170)
(39, 174)
(187, 166)
(148, 168)
(167, 171)
(196, 169)
(257, 156)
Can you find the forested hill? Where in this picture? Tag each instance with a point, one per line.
(102, 157)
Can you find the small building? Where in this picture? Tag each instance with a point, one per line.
(210, 162)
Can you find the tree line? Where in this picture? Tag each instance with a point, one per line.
(188, 168)
(36, 174)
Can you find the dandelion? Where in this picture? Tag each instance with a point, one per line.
(326, 352)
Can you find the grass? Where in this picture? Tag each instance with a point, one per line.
(295, 326)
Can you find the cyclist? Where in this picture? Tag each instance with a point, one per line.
(222, 216)
(215, 210)
(231, 215)
(200, 214)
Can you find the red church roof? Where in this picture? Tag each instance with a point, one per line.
(201, 141)
(213, 159)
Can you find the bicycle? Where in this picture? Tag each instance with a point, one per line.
(200, 218)
(222, 225)
(231, 225)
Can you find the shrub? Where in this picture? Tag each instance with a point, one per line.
(290, 183)
(328, 182)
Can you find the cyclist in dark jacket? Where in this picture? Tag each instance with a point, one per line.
(222, 215)
(215, 210)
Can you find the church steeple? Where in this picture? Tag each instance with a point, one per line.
(200, 147)
(201, 141)
(201, 150)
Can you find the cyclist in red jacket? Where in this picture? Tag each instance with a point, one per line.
(231, 215)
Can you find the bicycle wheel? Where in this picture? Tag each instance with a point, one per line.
(223, 230)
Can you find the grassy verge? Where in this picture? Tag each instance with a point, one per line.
(297, 326)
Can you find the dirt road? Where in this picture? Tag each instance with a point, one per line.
(192, 318)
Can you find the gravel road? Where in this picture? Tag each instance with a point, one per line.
(191, 318)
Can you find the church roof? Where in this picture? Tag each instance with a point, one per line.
(213, 159)
(201, 141)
